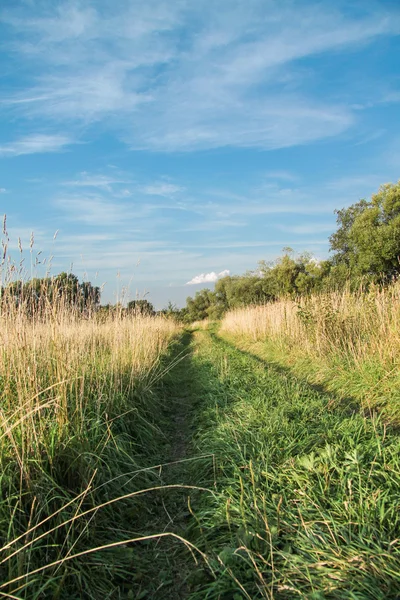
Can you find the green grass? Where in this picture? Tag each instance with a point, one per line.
(307, 502)
(104, 456)
(300, 490)
(368, 383)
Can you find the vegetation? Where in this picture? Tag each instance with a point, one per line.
(79, 420)
(349, 341)
(254, 458)
(141, 307)
(37, 294)
(307, 484)
(367, 241)
(365, 250)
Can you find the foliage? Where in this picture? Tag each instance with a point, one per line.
(367, 241)
(78, 416)
(64, 289)
(287, 276)
(198, 308)
(172, 311)
(365, 250)
(350, 340)
(141, 307)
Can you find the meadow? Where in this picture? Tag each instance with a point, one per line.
(78, 421)
(347, 341)
(256, 457)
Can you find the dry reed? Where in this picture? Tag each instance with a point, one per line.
(351, 337)
(53, 364)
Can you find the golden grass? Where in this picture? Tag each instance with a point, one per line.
(78, 411)
(348, 339)
(53, 366)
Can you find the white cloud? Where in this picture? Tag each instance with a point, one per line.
(92, 210)
(96, 181)
(224, 82)
(25, 234)
(308, 229)
(279, 244)
(35, 144)
(3, 191)
(208, 277)
(162, 189)
(281, 175)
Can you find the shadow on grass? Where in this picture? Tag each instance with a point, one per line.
(348, 404)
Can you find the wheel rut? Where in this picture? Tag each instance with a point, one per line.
(167, 563)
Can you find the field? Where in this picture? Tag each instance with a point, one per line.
(78, 423)
(254, 458)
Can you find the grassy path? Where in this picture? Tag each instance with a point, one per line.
(308, 493)
(161, 569)
(280, 489)
(305, 488)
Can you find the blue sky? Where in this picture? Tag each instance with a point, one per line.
(172, 141)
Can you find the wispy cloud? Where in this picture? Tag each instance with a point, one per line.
(3, 191)
(162, 189)
(208, 277)
(308, 229)
(35, 144)
(95, 181)
(182, 76)
(91, 209)
(278, 244)
(281, 175)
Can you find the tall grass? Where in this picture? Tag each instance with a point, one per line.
(350, 339)
(308, 489)
(77, 416)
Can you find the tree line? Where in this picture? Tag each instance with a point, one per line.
(63, 290)
(365, 250)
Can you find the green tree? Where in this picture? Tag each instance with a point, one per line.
(66, 286)
(367, 241)
(35, 294)
(242, 290)
(292, 275)
(171, 311)
(197, 308)
(141, 307)
(89, 295)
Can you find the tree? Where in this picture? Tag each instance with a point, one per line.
(292, 275)
(63, 289)
(171, 311)
(341, 241)
(242, 290)
(66, 286)
(141, 308)
(367, 241)
(88, 295)
(197, 308)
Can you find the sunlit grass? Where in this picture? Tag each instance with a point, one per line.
(308, 485)
(348, 341)
(78, 416)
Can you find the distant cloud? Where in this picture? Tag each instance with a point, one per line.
(208, 277)
(281, 175)
(96, 181)
(3, 190)
(91, 210)
(228, 81)
(308, 229)
(125, 193)
(162, 189)
(35, 144)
